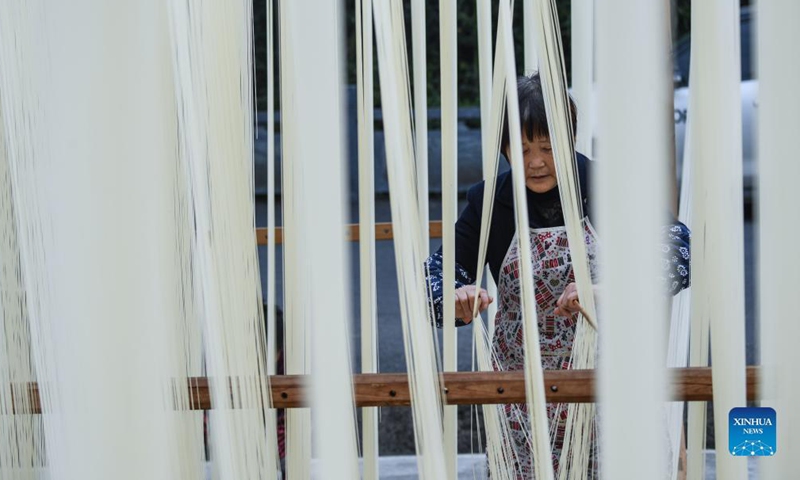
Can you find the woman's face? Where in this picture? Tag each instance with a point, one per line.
(540, 171)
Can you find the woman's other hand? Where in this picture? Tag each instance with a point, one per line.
(465, 300)
(568, 303)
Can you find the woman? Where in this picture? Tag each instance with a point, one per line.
(556, 295)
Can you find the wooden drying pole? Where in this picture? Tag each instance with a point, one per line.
(383, 231)
(460, 388)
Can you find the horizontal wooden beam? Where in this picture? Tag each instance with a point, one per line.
(482, 388)
(465, 388)
(383, 231)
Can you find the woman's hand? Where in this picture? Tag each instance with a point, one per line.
(465, 299)
(568, 303)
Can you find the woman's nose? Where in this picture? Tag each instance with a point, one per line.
(534, 161)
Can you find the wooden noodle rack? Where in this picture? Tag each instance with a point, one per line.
(460, 388)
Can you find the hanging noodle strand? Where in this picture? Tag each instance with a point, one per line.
(420, 355)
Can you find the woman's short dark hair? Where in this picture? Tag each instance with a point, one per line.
(532, 113)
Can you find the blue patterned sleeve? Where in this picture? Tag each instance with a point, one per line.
(435, 286)
(675, 262)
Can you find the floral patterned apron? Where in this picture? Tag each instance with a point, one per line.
(552, 272)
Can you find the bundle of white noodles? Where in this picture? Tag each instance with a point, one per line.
(127, 230)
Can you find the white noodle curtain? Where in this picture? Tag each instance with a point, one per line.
(632, 163)
(779, 273)
(718, 238)
(99, 295)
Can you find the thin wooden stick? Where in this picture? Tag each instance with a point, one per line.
(588, 317)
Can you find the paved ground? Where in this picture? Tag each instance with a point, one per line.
(473, 467)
